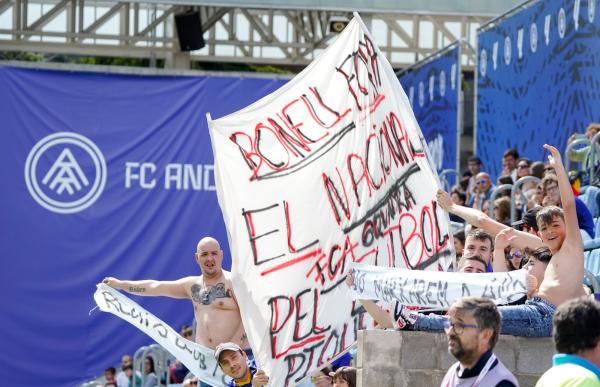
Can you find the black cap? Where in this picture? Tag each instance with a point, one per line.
(529, 219)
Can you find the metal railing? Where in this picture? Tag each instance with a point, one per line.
(593, 156)
(593, 280)
(570, 148)
(516, 188)
(444, 180)
(162, 360)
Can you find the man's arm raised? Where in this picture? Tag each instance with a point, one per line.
(573, 235)
(481, 220)
(173, 289)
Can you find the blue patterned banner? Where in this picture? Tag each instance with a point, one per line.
(538, 79)
(433, 87)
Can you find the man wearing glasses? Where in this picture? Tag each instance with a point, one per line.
(482, 191)
(472, 329)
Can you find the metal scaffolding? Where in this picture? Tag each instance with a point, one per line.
(290, 37)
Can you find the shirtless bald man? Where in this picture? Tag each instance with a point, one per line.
(216, 310)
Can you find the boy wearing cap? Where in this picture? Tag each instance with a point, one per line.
(235, 363)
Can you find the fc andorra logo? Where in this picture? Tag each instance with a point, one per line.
(65, 172)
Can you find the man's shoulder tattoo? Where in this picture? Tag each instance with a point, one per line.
(208, 295)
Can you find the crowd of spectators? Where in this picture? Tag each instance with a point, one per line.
(477, 190)
(541, 229)
(493, 232)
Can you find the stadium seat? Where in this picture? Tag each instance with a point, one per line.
(583, 189)
(590, 198)
(591, 244)
(591, 264)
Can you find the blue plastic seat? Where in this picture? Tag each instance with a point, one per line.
(592, 262)
(591, 199)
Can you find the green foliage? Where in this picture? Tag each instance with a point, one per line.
(138, 62)
(22, 56)
(239, 67)
(116, 61)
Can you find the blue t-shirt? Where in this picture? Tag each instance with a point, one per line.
(584, 218)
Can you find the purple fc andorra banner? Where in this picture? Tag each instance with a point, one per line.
(329, 170)
(102, 175)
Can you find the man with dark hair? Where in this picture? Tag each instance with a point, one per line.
(109, 376)
(552, 198)
(472, 328)
(474, 165)
(509, 163)
(472, 264)
(235, 363)
(480, 242)
(576, 336)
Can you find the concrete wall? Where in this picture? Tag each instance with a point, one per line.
(420, 359)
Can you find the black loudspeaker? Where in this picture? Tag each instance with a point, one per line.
(189, 30)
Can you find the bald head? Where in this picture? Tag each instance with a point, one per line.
(483, 181)
(205, 242)
(126, 360)
(209, 257)
(482, 175)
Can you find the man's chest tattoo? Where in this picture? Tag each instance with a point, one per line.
(208, 295)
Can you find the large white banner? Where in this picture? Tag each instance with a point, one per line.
(328, 170)
(198, 359)
(432, 289)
